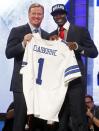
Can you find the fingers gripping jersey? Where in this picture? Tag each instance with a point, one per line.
(47, 68)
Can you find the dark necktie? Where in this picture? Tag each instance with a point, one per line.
(61, 32)
(36, 30)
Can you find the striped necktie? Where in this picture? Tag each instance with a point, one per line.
(36, 30)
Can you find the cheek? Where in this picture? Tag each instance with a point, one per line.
(63, 19)
(87, 105)
(31, 18)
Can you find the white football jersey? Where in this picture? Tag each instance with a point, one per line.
(47, 68)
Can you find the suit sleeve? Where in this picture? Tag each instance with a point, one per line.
(86, 46)
(14, 46)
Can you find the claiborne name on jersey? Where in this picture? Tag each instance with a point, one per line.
(44, 50)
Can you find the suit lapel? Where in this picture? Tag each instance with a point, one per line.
(27, 28)
(71, 34)
(44, 34)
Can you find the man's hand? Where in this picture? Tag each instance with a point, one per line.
(89, 113)
(27, 38)
(10, 114)
(54, 37)
(72, 45)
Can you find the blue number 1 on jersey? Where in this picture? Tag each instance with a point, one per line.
(40, 68)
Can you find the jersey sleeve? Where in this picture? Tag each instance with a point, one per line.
(72, 70)
(27, 58)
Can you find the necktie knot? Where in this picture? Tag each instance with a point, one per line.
(61, 28)
(36, 30)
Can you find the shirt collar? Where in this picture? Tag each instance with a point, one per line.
(33, 28)
(67, 25)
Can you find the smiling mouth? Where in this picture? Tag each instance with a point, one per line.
(36, 20)
(59, 21)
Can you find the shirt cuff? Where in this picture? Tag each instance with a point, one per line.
(76, 46)
(23, 45)
(80, 49)
(82, 52)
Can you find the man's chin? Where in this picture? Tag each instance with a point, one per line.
(36, 25)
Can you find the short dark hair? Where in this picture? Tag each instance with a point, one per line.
(89, 96)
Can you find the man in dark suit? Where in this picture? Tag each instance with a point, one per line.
(79, 40)
(17, 40)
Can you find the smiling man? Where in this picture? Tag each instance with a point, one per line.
(17, 40)
(77, 39)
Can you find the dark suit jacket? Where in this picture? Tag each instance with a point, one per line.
(84, 41)
(15, 50)
(74, 101)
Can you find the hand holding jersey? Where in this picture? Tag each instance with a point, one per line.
(27, 38)
(54, 37)
(71, 45)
